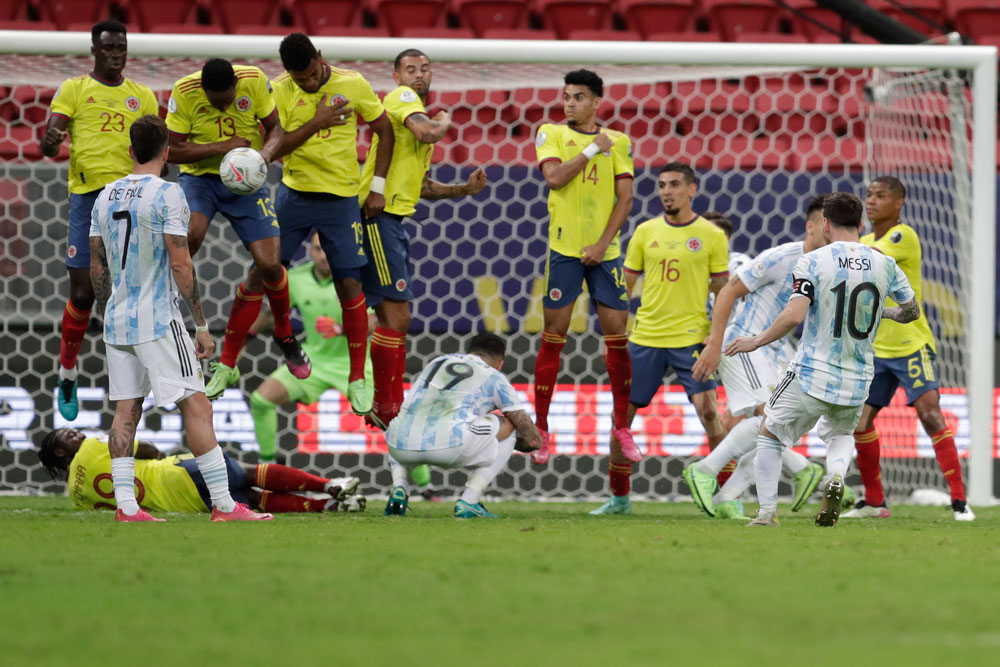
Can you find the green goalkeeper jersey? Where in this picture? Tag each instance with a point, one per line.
(315, 297)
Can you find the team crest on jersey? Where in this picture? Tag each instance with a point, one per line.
(408, 96)
(243, 103)
(555, 294)
(758, 269)
(172, 105)
(132, 103)
(541, 139)
(71, 251)
(896, 237)
(694, 244)
(400, 285)
(337, 99)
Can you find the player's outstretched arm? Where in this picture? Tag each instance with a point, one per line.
(183, 151)
(904, 313)
(708, 360)
(528, 437)
(187, 284)
(791, 317)
(274, 135)
(428, 130)
(55, 134)
(326, 116)
(375, 201)
(594, 254)
(100, 275)
(433, 190)
(558, 174)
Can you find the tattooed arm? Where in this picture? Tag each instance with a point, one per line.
(433, 190)
(904, 313)
(716, 283)
(187, 284)
(428, 130)
(100, 275)
(528, 437)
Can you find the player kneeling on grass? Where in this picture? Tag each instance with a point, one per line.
(175, 484)
(447, 420)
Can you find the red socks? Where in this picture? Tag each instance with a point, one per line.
(242, 314)
(867, 445)
(74, 327)
(621, 478)
(387, 347)
(620, 372)
(275, 477)
(546, 374)
(355, 316)
(726, 472)
(947, 456)
(277, 296)
(281, 503)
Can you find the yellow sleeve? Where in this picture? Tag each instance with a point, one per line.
(178, 113)
(148, 103)
(367, 103)
(403, 104)
(547, 144)
(265, 100)
(634, 257)
(901, 243)
(718, 259)
(64, 101)
(621, 155)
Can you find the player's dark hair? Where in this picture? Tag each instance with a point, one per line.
(106, 26)
(680, 168)
(488, 345)
(584, 77)
(896, 186)
(815, 204)
(408, 53)
(843, 209)
(149, 137)
(218, 75)
(296, 52)
(47, 456)
(721, 221)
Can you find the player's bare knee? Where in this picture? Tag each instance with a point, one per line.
(931, 417)
(195, 407)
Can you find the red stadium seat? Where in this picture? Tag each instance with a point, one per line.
(933, 10)
(397, 15)
(731, 17)
(318, 15)
(236, 13)
(975, 18)
(85, 26)
(152, 12)
(564, 16)
(187, 29)
(684, 36)
(265, 29)
(655, 16)
(518, 33)
(27, 25)
(64, 12)
(349, 31)
(770, 38)
(439, 33)
(483, 15)
(13, 10)
(826, 17)
(605, 35)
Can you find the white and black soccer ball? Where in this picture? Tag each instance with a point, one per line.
(243, 171)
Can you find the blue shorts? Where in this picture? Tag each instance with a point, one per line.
(650, 364)
(238, 483)
(387, 273)
(564, 277)
(251, 215)
(78, 249)
(916, 373)
(338, 221)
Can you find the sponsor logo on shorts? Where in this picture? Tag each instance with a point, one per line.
(71, 252)
(694, 244)
(400, 285)
(555, 294)
(243, 103)
(132, 103)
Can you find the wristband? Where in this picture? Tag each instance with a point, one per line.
(201, 328)
(378, 184)
(591, 150)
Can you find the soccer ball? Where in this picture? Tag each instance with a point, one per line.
(243, 170)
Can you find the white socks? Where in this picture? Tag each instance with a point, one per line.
(793, 462)
(69, 374)
(123, 478)
(740, 480)
(767, 471)
(481, 477)
(212, 466)
(400, 476)
(838, 454)
(737, 442)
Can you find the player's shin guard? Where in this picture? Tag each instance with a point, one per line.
(265, 424)
(242, 314)
(74, 327)
(620, 475)
(386, 348)
(867, 445)
(355, 316)
(283, 503)
(620, 373)
(947, 456)
(546, 374)
(277, 296)
(274, 477)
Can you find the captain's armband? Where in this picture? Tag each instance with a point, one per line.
(804, 287)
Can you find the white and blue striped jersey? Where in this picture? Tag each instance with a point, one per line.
(131, 216)
(736, 260)
(846, 284)
(451, 391)
(769, 279)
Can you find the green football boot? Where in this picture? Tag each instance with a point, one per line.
(703, 487)
(614, 505)
(398, 502)
(849, 499)
(730, 509)
(361, 397)
(222, 378)
(805, 483)
(464, 510)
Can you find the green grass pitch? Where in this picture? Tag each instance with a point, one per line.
(545, 585)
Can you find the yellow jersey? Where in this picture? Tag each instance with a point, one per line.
(411, 158)
(189, 114)
(894, 339)
(579, 211)
(678, 262)
(160, 484)
(328, 160)
(100, 115)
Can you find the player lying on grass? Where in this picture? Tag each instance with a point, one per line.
(448, 420)
(174, 483)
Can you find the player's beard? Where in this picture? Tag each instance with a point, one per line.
(673, 210)
(572, 121)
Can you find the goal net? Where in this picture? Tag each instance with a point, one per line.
(763, 139)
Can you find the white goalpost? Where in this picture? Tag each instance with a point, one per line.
(766, 126)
